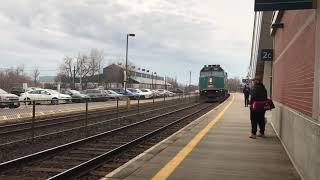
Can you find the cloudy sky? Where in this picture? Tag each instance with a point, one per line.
(172, 36)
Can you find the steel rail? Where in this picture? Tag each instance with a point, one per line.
(51, 121)
(87, 166)
(82, 127)
(49, 152)
(79, 114)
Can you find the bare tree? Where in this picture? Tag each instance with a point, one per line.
(86, 66)
(66, 74)
(83, 68)
(96, 59)
(13, 77)
(20, 69)
(35, 75)
(234, 84)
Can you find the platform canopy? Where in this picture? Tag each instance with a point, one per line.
(273, 5)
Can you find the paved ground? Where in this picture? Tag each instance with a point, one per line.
(26, 110)
(216, 146)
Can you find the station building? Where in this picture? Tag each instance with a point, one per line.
(137, 78)
(292, 80)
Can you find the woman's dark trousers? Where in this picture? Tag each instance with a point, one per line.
(257, 118)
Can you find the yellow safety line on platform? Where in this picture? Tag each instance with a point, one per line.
(167, 170)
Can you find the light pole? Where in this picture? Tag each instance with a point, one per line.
(126, 75)
(152, 87)
(155, 81)
(190, 82)
(165, 82)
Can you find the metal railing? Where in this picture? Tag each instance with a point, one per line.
(33, 115)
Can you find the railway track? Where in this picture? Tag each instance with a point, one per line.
(24, 147)
(80, 115)
(81, 156)
(14, 133)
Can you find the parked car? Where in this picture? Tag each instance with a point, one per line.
(170, 94)
(17, 91)
(96, 94)
(161, 92)
(127, 93)
(75, 95)
(147, 93)
(140, 93)
(64, 97)
(113, 95)
(155, 93)
(8, 100)
(42, 95)
(177, 91)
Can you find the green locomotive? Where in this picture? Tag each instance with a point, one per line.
(212, 83)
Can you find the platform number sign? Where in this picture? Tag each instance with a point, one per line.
(267, 54)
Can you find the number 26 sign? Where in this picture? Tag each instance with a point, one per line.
(267, 54)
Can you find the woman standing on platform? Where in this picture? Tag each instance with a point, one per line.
(258, 94)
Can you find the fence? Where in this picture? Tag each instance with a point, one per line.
(41, 113)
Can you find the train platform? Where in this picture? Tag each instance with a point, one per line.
(215, 146)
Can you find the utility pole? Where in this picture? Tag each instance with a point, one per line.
(99, 73)
(190, 82)
(156, 81)
(74, 77)
(152, 81)
(80, 77)
(165, 82)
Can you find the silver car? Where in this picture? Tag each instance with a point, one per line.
(114, 95)
(8, 100)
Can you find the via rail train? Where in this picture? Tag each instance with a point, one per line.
(212, 84)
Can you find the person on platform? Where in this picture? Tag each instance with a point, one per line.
(257, 115)
(246, 92)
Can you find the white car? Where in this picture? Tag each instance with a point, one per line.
(161, 92)
(147, 93)
(44, 95)
(155, 93)
(143, 95)
(170, 94)
(64, 97)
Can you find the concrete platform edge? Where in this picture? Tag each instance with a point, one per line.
(131, 166)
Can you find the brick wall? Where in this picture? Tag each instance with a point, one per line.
(293, 69)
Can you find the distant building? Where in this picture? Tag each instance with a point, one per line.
(47, 79)
(113, 76)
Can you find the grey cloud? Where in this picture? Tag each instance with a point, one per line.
(173, 32)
